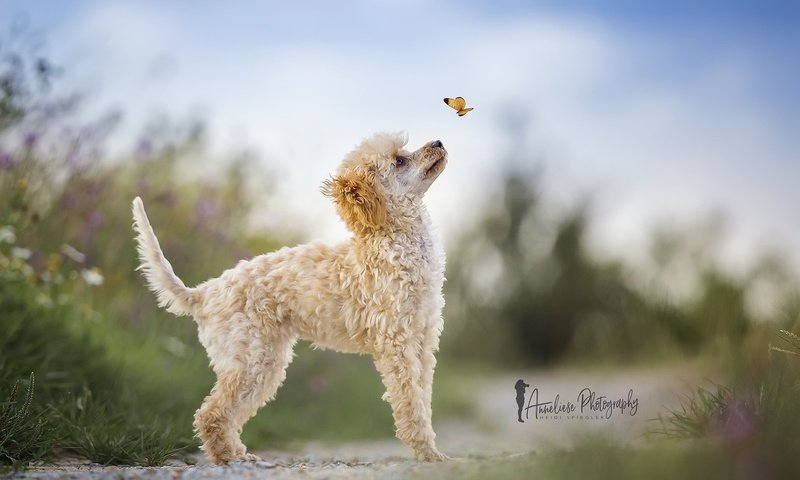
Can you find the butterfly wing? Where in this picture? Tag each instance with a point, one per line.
(457, 103)
(464, 111)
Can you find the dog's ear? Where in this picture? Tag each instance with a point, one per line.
(359, 201)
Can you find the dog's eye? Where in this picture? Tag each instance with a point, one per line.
(400, 161)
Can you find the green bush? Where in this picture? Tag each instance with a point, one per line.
(524, 289)
(84, 403)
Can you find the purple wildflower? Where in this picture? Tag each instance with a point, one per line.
(93, 189)
(30, 139)
(142, 184)
(167, 197)
(737, 421)
(87, 133)
(95, 219)
(205, 208)
(68, 201)
(144, 148)
(72, 160)
(6, 161)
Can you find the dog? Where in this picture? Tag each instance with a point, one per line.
(378, 293)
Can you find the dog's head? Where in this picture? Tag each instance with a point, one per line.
(380, 174)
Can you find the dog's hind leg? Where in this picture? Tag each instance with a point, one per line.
(266, 377)
(212, 422)
(238, 395)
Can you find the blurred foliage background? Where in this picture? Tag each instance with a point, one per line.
(523, 286)
(116, 380)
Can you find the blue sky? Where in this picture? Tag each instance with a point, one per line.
(664, 111)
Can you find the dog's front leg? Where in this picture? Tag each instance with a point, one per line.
(401, 369)
(430, 346)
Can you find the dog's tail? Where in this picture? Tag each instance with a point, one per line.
(169, 289)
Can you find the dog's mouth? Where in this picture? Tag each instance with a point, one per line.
(436, 168)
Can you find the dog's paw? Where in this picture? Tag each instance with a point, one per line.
(431, 455)
(244, 458)
(249, 457)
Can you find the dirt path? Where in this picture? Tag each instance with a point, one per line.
(493, 435)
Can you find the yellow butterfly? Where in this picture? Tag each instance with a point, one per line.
(458, 105)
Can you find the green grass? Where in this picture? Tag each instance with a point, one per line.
(82, 402)
(24, 435)
(696, 415)
(109, 437)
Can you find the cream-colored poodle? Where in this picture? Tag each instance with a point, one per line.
(378, 293)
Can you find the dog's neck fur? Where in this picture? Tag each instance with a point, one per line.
(408, 224)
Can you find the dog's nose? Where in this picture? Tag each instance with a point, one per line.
(437, 144)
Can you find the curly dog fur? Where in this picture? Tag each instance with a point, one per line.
(378, 293)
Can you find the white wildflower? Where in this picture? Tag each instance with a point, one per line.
(92, 276)
(7, 234)
(176, 347)
(22, 253)
(44, 300)
(72, 253)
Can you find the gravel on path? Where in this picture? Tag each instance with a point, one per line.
(492, 435)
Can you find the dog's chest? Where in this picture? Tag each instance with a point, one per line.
(431, 257)
(419, 264)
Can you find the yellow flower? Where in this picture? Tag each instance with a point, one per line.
(22, 184)
(53, 262)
